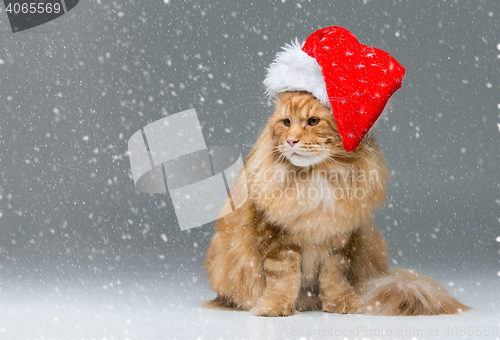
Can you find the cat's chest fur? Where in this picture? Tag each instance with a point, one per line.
(308, 209)
(318, 227)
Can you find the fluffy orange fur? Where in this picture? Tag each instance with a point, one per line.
(305, 239)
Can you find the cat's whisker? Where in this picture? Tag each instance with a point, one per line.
(265, 147)
(331, 157)
(240, 105)
(256, 146)
(346, 155)
(274, 97)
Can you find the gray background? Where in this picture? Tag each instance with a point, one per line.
(74, 90)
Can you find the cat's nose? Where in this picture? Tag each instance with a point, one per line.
(292, 142)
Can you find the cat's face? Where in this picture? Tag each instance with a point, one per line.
(304, 131)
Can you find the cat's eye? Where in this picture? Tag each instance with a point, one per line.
(313, 121)
(287, 122)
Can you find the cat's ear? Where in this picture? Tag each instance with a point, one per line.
(285, 95)
(281, 99)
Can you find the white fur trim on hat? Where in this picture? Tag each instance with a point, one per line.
(294, 70)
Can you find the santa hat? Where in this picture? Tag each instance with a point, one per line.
(353, 80)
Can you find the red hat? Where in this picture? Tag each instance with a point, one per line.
(352, 79)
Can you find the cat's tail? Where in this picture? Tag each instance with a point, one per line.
(404, 292)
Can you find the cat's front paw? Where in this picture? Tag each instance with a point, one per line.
(347, 304)
(274, 306)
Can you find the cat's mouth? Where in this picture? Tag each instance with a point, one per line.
(299, 159)
(295, 154)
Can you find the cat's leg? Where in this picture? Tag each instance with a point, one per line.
(233, 263)
(282, 272)
(367, 252)
(336, 293)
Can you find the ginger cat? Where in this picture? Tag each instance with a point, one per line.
(305, 239)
